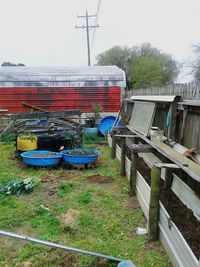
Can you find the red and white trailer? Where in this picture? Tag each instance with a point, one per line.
(61, 88)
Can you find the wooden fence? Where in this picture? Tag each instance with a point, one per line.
(189, 134)
(188, 91)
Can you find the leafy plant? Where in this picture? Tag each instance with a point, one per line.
(17, 186)
(28, 136)
(97, 109)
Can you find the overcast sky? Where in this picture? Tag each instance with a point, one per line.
(42, 32)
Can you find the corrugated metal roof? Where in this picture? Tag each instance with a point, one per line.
(96, 76)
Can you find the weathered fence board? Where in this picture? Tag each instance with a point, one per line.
(188, 91)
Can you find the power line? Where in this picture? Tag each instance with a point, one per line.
(96, 23)
(88, 29)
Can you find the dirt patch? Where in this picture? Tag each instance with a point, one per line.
(49, 183)
(98, 179)
(63, 261)
(131, 204)
(101, 263)
(52, 178)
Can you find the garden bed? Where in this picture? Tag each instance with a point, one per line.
(183, 217)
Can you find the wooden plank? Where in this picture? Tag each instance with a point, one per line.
(125, 135)
(192, 166)
(192, 170)
(154, 98)
(150, 159)
(34, 107)
(50, 114)
(182, 149)
(166, 165)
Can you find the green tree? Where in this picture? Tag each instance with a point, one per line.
(145, 66)
(152, 68)
(119, 56)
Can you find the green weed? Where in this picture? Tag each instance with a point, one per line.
(84, 197)
(65, 188)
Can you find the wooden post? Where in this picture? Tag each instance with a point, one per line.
(168, 179)
(153, 229)
(113, 151)
(133, 174)
(123, 156)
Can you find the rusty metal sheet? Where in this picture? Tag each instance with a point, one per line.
(52, 98)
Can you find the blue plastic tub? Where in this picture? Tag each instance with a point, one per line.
(106, 124)
(80, 156)
(30, 158)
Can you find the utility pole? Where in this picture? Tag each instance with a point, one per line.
(88, 29)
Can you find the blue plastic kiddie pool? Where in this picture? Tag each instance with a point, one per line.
(80, 156)
(41, 158)
(107, 123)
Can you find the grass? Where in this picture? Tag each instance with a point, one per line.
(106, 223)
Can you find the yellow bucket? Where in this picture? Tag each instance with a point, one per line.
(26, 143)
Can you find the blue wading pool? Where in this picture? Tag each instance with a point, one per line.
(106, 124)
(80, 156)
(41, 158)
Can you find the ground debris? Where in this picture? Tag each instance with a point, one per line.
(70, 218)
